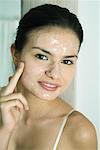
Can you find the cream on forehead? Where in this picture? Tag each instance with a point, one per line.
(55, 42)
(56, 39)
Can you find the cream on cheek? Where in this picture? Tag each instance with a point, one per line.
(30, 80)
(32, 73)
(67, 78)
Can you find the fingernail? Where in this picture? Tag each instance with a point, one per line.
(20, 64)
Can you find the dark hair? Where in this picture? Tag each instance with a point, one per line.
(47, 15)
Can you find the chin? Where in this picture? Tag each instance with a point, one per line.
(46, 96)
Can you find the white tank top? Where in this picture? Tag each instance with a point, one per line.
(61, 129)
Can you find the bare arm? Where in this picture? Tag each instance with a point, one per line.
(89, 139)
(85, 138)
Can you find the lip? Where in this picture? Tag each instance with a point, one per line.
(49, 86)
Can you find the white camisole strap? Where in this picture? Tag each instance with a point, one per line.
(61, 129)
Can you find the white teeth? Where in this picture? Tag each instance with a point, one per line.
(50, 85)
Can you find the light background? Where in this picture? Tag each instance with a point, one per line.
(83, 93)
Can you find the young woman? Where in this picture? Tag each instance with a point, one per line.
(33, 117)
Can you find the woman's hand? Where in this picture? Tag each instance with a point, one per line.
(12, 104)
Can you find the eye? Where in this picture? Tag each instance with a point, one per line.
(67, 62)
(41, 57)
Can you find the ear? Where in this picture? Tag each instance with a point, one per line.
(15, 56)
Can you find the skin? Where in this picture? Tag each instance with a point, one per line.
(39, 111)
(54, 68)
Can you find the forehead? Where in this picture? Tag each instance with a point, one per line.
(54, 37)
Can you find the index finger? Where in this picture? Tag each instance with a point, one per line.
(13, 82)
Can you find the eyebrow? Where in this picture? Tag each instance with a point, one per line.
(43, 50)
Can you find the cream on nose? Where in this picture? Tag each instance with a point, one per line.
(53, 71)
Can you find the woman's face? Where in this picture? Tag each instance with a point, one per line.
(50, 56)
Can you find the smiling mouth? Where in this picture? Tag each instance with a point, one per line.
(49, 86)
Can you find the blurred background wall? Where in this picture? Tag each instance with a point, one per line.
(83, 93)
(10, 13)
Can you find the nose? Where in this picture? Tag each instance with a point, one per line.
(53, 71)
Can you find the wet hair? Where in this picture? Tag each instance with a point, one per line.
(43, 16)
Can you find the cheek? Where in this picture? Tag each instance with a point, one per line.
(68, 76)
(33, 71)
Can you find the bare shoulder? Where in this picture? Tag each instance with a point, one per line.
(81, 131)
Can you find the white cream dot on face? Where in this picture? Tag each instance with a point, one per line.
(54, 41)
(46, 95)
